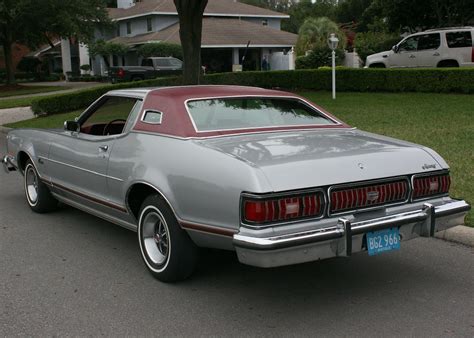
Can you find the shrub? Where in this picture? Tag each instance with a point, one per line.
(315, 32)
(161, 49)
(374, 42)
(348, 79)
(319, 57)
(28, 65)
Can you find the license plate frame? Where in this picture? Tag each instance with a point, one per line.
(383, 241)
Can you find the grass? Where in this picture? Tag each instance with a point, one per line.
(444, 122)
(6, 91)
(13, 103)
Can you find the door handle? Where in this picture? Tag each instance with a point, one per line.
(436, 54)
(104, 148)
(412, 56)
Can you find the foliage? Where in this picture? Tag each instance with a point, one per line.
(319, 57)
(314, 33)
(304, 9)
(413, 16)
(28, 65)
(371, 42)
(35, 22)
(161, 49)
(85, 67)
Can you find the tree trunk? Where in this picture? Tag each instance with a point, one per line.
(190, 14)
(10, 71)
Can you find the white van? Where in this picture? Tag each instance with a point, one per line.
(443, 47)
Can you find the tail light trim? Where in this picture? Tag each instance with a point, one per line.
(428, 174)
(362, 198)
(306, 215)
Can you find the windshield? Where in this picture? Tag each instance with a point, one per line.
(251, 112)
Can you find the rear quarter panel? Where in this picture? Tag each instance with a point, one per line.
(202, 185)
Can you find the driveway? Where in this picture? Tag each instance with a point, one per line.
(68, 273)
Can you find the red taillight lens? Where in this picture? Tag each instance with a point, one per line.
(121, 72)
(428, 186)
(266, 210)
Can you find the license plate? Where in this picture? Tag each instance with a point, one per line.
(383, 241)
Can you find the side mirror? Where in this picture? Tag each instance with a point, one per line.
(395, 48)
(71, 126)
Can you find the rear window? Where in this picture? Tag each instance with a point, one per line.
(459, 39)
(249, 113)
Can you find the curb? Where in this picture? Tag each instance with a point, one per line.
(460, 234)
(4, 130)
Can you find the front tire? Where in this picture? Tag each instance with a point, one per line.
(166, 249)
(38, 196)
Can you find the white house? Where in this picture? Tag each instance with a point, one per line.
(228, 26)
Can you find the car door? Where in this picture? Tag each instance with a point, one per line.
(78, 160)
(405, 56)
(428, 50)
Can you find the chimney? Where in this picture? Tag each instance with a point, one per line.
(125, 3)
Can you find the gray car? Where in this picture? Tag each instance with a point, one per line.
(265, 173)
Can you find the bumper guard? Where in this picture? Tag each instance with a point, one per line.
(8, 164)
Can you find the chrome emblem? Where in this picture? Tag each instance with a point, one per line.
(372, 196)
(361, 165)
(428, 166)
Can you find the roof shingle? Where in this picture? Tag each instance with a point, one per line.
(214, 7)
(219, 32)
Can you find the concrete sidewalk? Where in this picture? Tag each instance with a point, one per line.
(11, 115)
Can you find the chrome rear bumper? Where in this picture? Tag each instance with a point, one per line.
(345, 237)
(8, 164)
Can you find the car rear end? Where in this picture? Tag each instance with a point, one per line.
(117, 74)
(460, 45)
(342, 219)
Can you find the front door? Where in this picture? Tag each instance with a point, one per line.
(406, 53)
(78, 160)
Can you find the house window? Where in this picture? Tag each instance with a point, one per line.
(149, 25)
(265, 22)
(118, 30)
(129, 28)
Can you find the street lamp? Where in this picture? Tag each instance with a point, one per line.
(332, 43)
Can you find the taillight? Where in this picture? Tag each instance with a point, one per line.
(430, 185)
(262, 210)
(121, 72)
(472, 54)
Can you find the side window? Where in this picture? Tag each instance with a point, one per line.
(161, 62)
(429, 41)
(176, 63)
(409, 45)
(459, 39)
(110, 117)
(147, 63)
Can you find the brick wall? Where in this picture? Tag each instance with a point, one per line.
(19, 51)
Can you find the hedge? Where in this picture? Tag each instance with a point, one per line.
(348, 79)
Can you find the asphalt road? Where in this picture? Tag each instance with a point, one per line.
(68, 273)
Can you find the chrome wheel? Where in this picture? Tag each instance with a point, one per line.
(31, 184)
(155, 234)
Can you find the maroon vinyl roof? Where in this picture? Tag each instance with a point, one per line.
(171, 101)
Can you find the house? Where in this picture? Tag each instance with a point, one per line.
(228, 27)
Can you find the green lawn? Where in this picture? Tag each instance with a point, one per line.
(444, 122)
(28, 90)
(13, 103)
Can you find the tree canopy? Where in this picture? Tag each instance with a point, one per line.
(36, 22)
(314, 33)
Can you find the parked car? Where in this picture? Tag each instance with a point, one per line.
(263, 172)
(150, 68)
(444, 47)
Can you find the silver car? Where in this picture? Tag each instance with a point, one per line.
(262, 172)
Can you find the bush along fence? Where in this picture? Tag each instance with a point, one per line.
(348, 79)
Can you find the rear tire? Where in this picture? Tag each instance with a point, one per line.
(168, 252)
(448, 64)
(37, 193)
(377, 65)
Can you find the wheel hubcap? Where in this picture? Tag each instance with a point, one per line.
(155, 237)
(31, 185)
